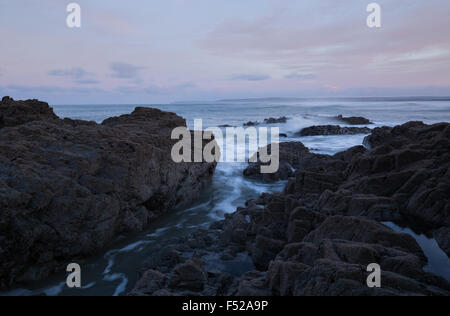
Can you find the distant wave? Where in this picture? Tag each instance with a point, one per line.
(350, 99)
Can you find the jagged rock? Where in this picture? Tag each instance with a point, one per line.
(319, 235)
(354, 120)
(407, 171)
(290, 155)
(332, 260)
(301, 222)
(443, 238)
(334, 278)
(326, 130)
(190, 276)
(264, 250)
(293, 157)
(151, 282)
(13, 113)
(360, 230)
(272, 120)
(68, 188)
(252, 284)
(282, 276)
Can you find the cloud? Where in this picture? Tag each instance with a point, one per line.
(407, 50)
(156, 89)
(250, 77)
(46, 90)
(186, 86)
(75, 73)
(300, 76)
(125, 70)
(87, 81)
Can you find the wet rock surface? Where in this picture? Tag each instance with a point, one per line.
(326, 130)
(442, 236)
(68, 187)
(273, 120)
(270, 120)
(13, 113)
(319, 235)
(354, 120)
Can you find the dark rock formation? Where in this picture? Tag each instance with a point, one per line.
(319, 236)
(272, 120)
(405, 174)
(442, 236)
(68, 188)
(294, 156)
(250, 123)
(291, 155)
(326, 130)
(296, 251)
(354, 120)
(13, 113)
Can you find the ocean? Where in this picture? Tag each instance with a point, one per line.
(115, 270)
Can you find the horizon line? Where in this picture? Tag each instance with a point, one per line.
(256, 99)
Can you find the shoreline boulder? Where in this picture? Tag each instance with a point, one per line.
(354, 120)
(68, 188)
(327, 130)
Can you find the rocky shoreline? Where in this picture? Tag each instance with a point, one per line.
(68, 188)
(320, 234)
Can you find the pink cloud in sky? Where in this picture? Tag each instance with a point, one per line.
(171, 50)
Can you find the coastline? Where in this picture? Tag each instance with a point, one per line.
(223, 246)
(317, 237)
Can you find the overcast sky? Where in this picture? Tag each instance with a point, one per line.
(161, 51)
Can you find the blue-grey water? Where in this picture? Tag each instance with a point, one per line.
(438, 261)
(113, 271)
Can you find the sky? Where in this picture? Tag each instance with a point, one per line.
(163, 51)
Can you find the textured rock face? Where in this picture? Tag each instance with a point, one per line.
(273, 120)
(295, 157)
(354, 120)
(327, 130)
(443, 239)
(291, 156)
(296, 251)
(68, 188)
(321, 233)
(13, 113)
(404, 175)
